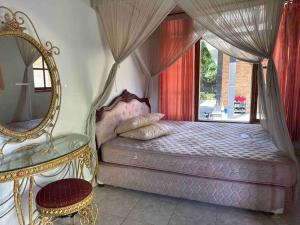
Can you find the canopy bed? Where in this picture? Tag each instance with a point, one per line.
(222, 163)
(23, 166)
(243, 29)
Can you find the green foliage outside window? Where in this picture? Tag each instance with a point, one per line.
(207, 96)
(208, 74)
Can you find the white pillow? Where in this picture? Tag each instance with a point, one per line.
(147, 133)
(138, 121)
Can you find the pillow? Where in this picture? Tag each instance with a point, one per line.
(147, 133)
(138, 121)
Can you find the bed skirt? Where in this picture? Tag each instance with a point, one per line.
(258, 197)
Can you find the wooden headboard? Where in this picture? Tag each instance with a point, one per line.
(123, 107)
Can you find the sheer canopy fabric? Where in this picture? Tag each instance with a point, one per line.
(170, 41)
(262, 105)
(252, 27)
(174, 36)
(248, 25)
(126, 24)
(229, 49)
(1, 80)
(29, 55)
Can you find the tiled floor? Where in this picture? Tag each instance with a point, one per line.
(125, 207)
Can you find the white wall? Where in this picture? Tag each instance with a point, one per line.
(83, 64)
(84, 61)
(154, 94)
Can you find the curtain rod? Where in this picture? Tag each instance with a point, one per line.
(173, 16)
(177, 13)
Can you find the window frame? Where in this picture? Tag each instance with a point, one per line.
(44, 69)
(254, 92)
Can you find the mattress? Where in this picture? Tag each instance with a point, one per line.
(226, 151)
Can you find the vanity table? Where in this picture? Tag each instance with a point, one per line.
(38, 158)
(30, 102)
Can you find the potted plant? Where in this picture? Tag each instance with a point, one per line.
(240, 104)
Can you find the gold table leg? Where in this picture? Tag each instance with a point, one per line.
(18, 202)
(86, 161)
(94, 154)
(31, 200)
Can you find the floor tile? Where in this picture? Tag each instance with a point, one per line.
(119, 206)
(103, 219)
(196, 210)
(234, 216)
(180, 220)
(119, 202)
(276, 220)
(101, 192)
(135, 222)
(193, 213)
(107, 219)
(153, 209)
(64, 221)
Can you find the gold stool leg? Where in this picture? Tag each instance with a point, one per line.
(88, 215)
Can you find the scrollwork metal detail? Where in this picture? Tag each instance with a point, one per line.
(18, 24)
(53, 49)
(85, 156)
(22, 173)
(12, 22)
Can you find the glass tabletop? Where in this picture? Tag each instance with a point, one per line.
(35, 154)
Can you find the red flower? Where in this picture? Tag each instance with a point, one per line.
(240, 98)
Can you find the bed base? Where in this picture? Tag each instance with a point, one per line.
(259, 197)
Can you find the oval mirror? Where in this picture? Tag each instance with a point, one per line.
(26, 85)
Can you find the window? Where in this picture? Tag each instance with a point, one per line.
(225, 87)
(41, 76)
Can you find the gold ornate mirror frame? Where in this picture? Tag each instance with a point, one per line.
(14, 24)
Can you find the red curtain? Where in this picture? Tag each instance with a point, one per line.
(287, 60)
(177, 89)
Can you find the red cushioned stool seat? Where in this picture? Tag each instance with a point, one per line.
(63, 193)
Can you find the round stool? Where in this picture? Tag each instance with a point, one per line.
(67, 197)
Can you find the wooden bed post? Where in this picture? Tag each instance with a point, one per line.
(254, 95)
(197, 79)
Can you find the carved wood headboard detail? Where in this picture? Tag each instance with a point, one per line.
(123, 107)
(126, 96)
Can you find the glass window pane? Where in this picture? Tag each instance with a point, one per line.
(225, 86)
(38, 77)
(38, 63)
(47, 79)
